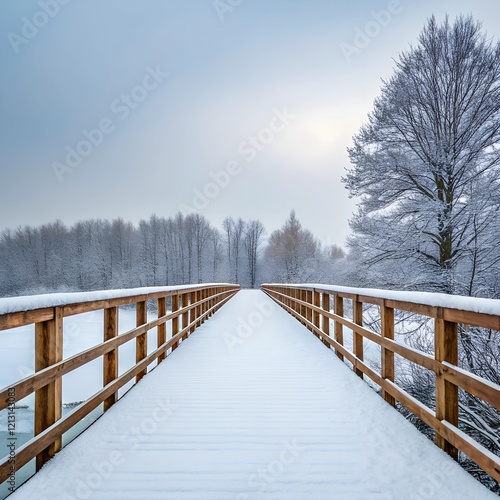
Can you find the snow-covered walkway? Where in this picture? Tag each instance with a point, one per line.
(252, 406)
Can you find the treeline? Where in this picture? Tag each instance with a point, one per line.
(101, 254)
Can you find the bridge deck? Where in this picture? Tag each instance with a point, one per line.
(252, 406)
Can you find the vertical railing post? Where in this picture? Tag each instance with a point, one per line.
(309, 312)
(339, 327)
(203, 306)
(303, 309)
(162, 329)
(446, 349)
(141, 341)
(387, 326)
(48, 399)
(175, 321)
(315, 315)
(198, 309)
(325, 323)
(211, 293)
(185, 314)
(110, 359)
(192, 312)
(357, 340)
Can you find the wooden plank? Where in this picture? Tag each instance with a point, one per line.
(473, 384)
(387, 361)
(446, 349)
(48, 400)
(357, 338)
(141, 341)
(110, 359)
(23, 318)
(423, 309)
(161, 331)
(472, 318)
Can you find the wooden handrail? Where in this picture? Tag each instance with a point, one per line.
(193, 305)
(308, 303)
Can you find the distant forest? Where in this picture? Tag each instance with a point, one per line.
(102, 254)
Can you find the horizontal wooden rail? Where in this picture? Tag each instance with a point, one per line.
(308, 304)
(197, 304)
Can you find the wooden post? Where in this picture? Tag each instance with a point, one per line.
(317, 302)
(201, 309)
(309, 312)
(110, 359)
(446, 349)
(141, 341)
(198, 308)
(185, 314)
(357, 338)
(162, 329)
(387, 324)
(339, 327)
(325, 324)
(48, 399)
(192, 311)
(211, 293)
(175, 321)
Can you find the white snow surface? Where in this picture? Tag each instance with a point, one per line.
(461, 302)
(252, 406)
(31, 302)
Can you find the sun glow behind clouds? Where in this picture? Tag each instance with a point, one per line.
(317, 135)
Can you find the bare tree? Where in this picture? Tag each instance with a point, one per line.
(253, 233)
(233, 232)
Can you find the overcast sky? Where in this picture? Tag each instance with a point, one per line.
(125, 108)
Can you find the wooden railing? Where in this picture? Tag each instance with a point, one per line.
(312, 305)
(190, 307)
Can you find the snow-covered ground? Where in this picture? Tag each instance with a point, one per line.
(252, 406)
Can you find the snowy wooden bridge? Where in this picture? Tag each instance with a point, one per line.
(252, 405)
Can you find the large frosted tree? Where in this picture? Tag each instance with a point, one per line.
(426, 166)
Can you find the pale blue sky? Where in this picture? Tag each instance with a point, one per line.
(227, 79)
